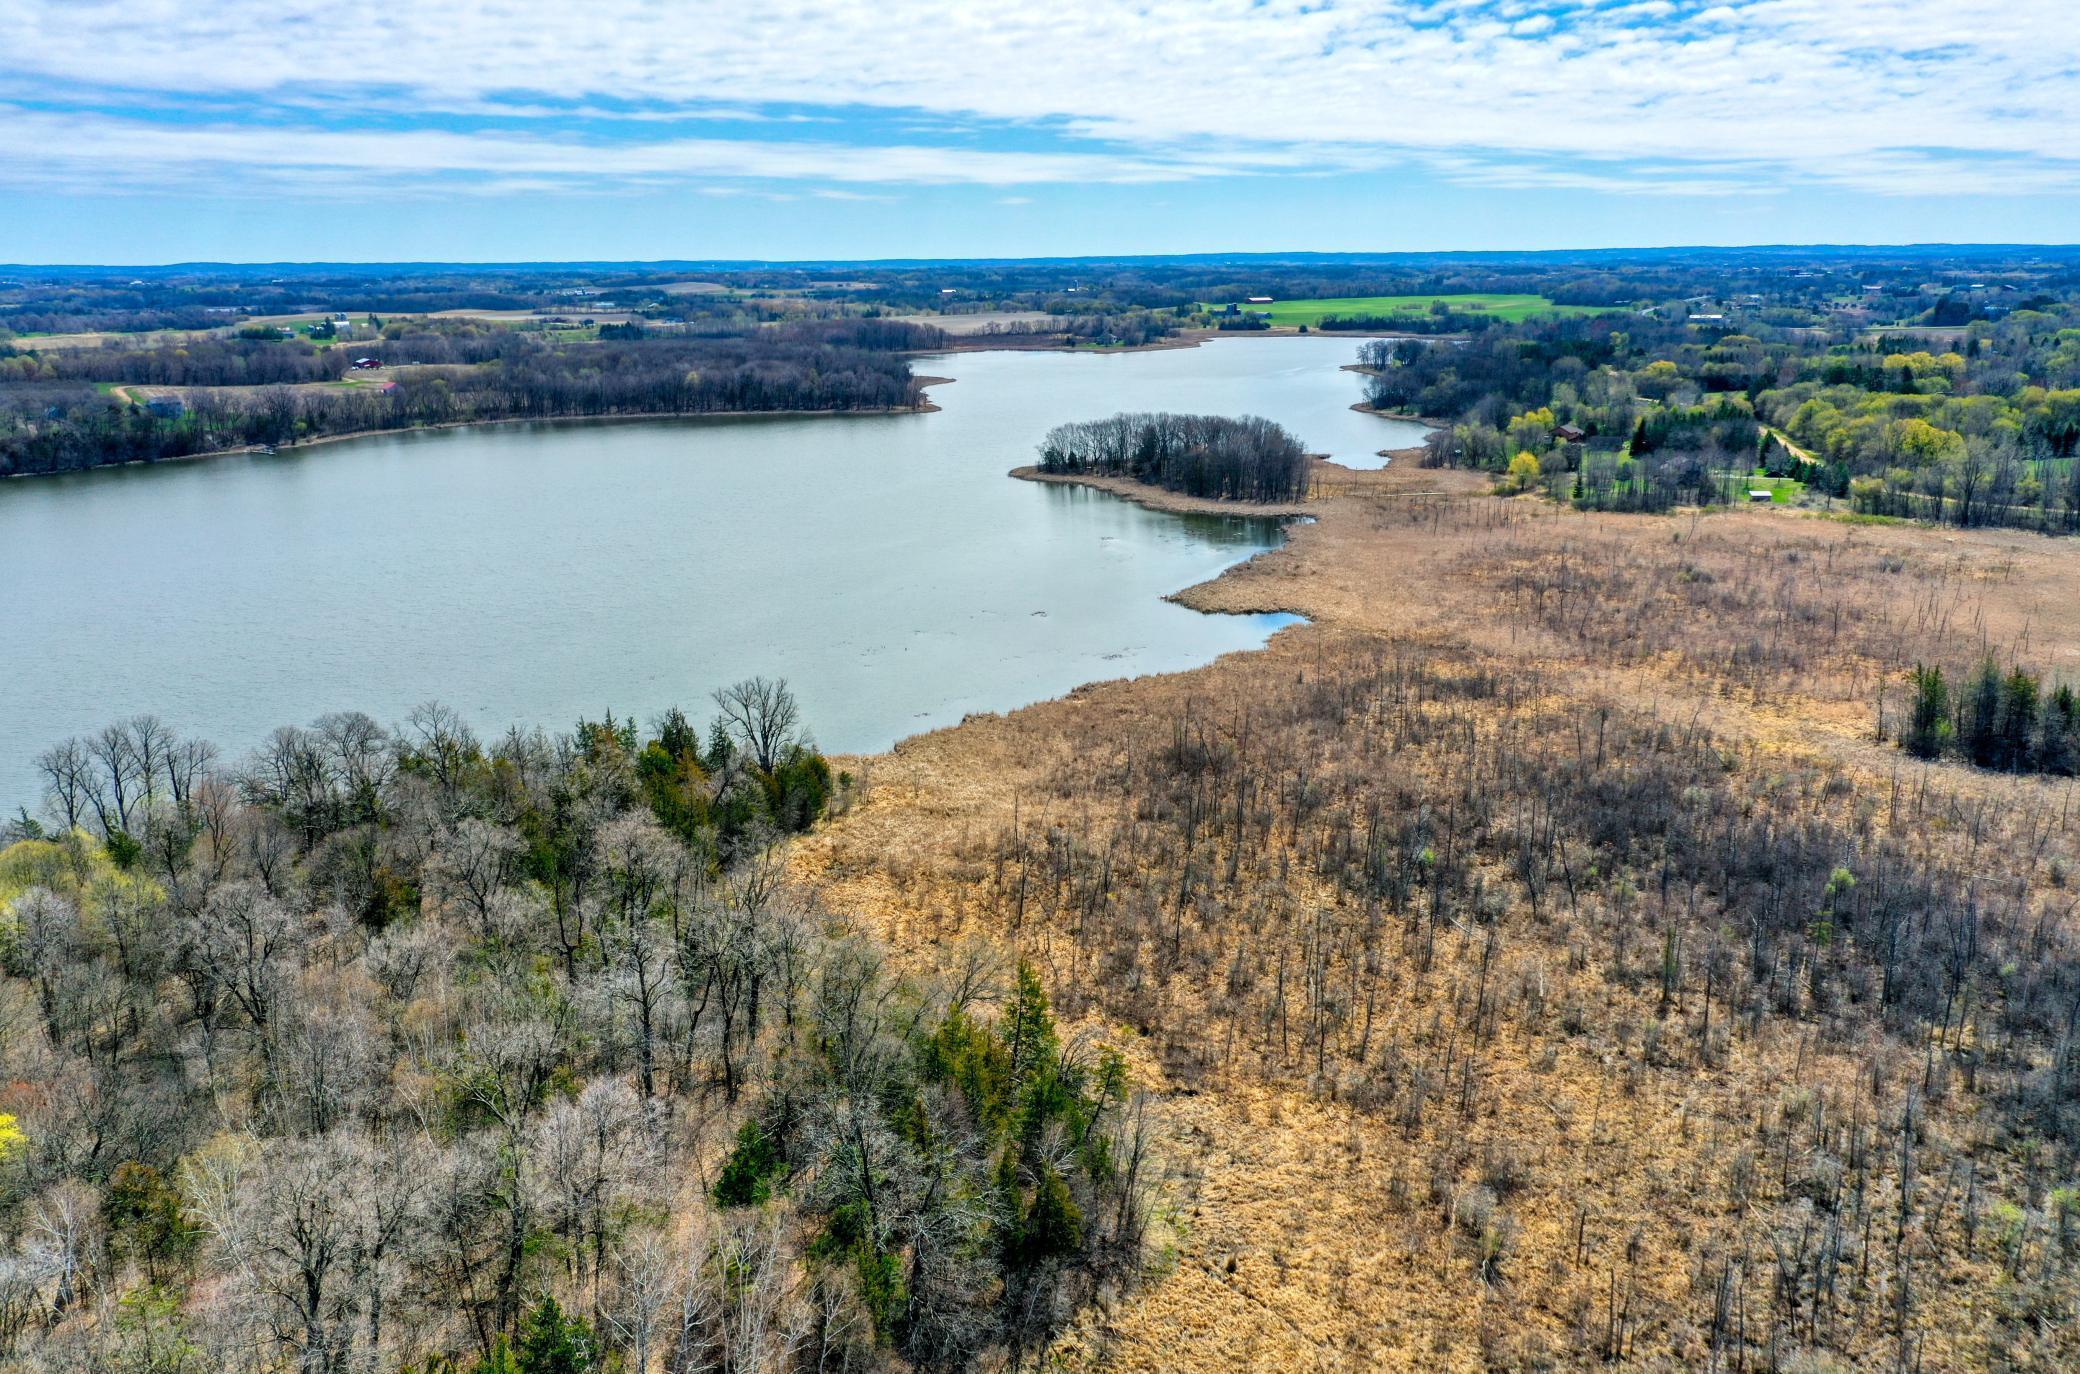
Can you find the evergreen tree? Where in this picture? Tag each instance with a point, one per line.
(552, 1343)
(1979, 716)
(2017, 728)
(1929, 733)
(2057, 747)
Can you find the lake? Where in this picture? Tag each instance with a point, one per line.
(531, 573)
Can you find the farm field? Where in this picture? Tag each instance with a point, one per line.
(1511, 308)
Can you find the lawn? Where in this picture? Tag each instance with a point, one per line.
(1782, 490)
(1510, 309)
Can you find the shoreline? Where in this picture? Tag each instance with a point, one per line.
(1185, 339)
(316, 441)
(1160, 499)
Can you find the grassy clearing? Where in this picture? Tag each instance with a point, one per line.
(1509, 308)
(1782, 490)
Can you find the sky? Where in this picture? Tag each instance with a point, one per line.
(147, 131)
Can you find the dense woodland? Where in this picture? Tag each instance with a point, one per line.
(1245, 459)
(53, 418)
(398, 1049)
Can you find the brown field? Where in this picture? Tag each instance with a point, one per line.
(1466, 936)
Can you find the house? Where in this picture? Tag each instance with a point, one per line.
(1707, 319)
(1261, 300)
(387, 389)
(364, 364)
(1570, 434)
(166, 407)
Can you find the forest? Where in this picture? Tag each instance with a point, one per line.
(397, 1048)
(1971, 422)
(1245, 459)
(54, 418)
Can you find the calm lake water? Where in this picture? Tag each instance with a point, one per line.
(530, 573)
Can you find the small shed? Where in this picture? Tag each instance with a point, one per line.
(1570, 434)
(1761, 495)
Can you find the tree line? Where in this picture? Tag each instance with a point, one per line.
(406, 1050)
(1241, 459)
(46, 426)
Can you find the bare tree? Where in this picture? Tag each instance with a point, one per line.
(441, 741)
(152, 745)
(594, 1160)
(187, 764)
(638, 1315)
(114, 754)
(64, 1236)
(240, 943)
(470, 870)
(762, 716)
(45, 936)
(309, 1230)
(737, 1313)
(362, 755)
(68, 773)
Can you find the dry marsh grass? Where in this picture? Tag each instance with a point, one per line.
(1541, 962)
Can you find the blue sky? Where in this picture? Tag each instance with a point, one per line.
(167, 130)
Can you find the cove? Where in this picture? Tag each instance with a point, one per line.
(532, 573)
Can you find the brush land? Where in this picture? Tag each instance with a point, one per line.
(1541, 962)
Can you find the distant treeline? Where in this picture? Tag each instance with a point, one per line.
(191, 362)
(1079, 323)
(1431, 322)
(47, 425)
(1246, 459)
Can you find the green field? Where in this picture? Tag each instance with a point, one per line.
(1782, 490)
(1509, 308)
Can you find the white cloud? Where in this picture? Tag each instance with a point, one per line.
(95, 146)
(1887, 95)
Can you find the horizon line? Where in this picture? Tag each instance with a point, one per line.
(1213, 257)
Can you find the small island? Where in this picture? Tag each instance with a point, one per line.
(1187, 463)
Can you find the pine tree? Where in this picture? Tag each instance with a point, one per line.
(1979, 716)
(551, 1343)
(2057, 749)
(1929, 734)
(2017, 727)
